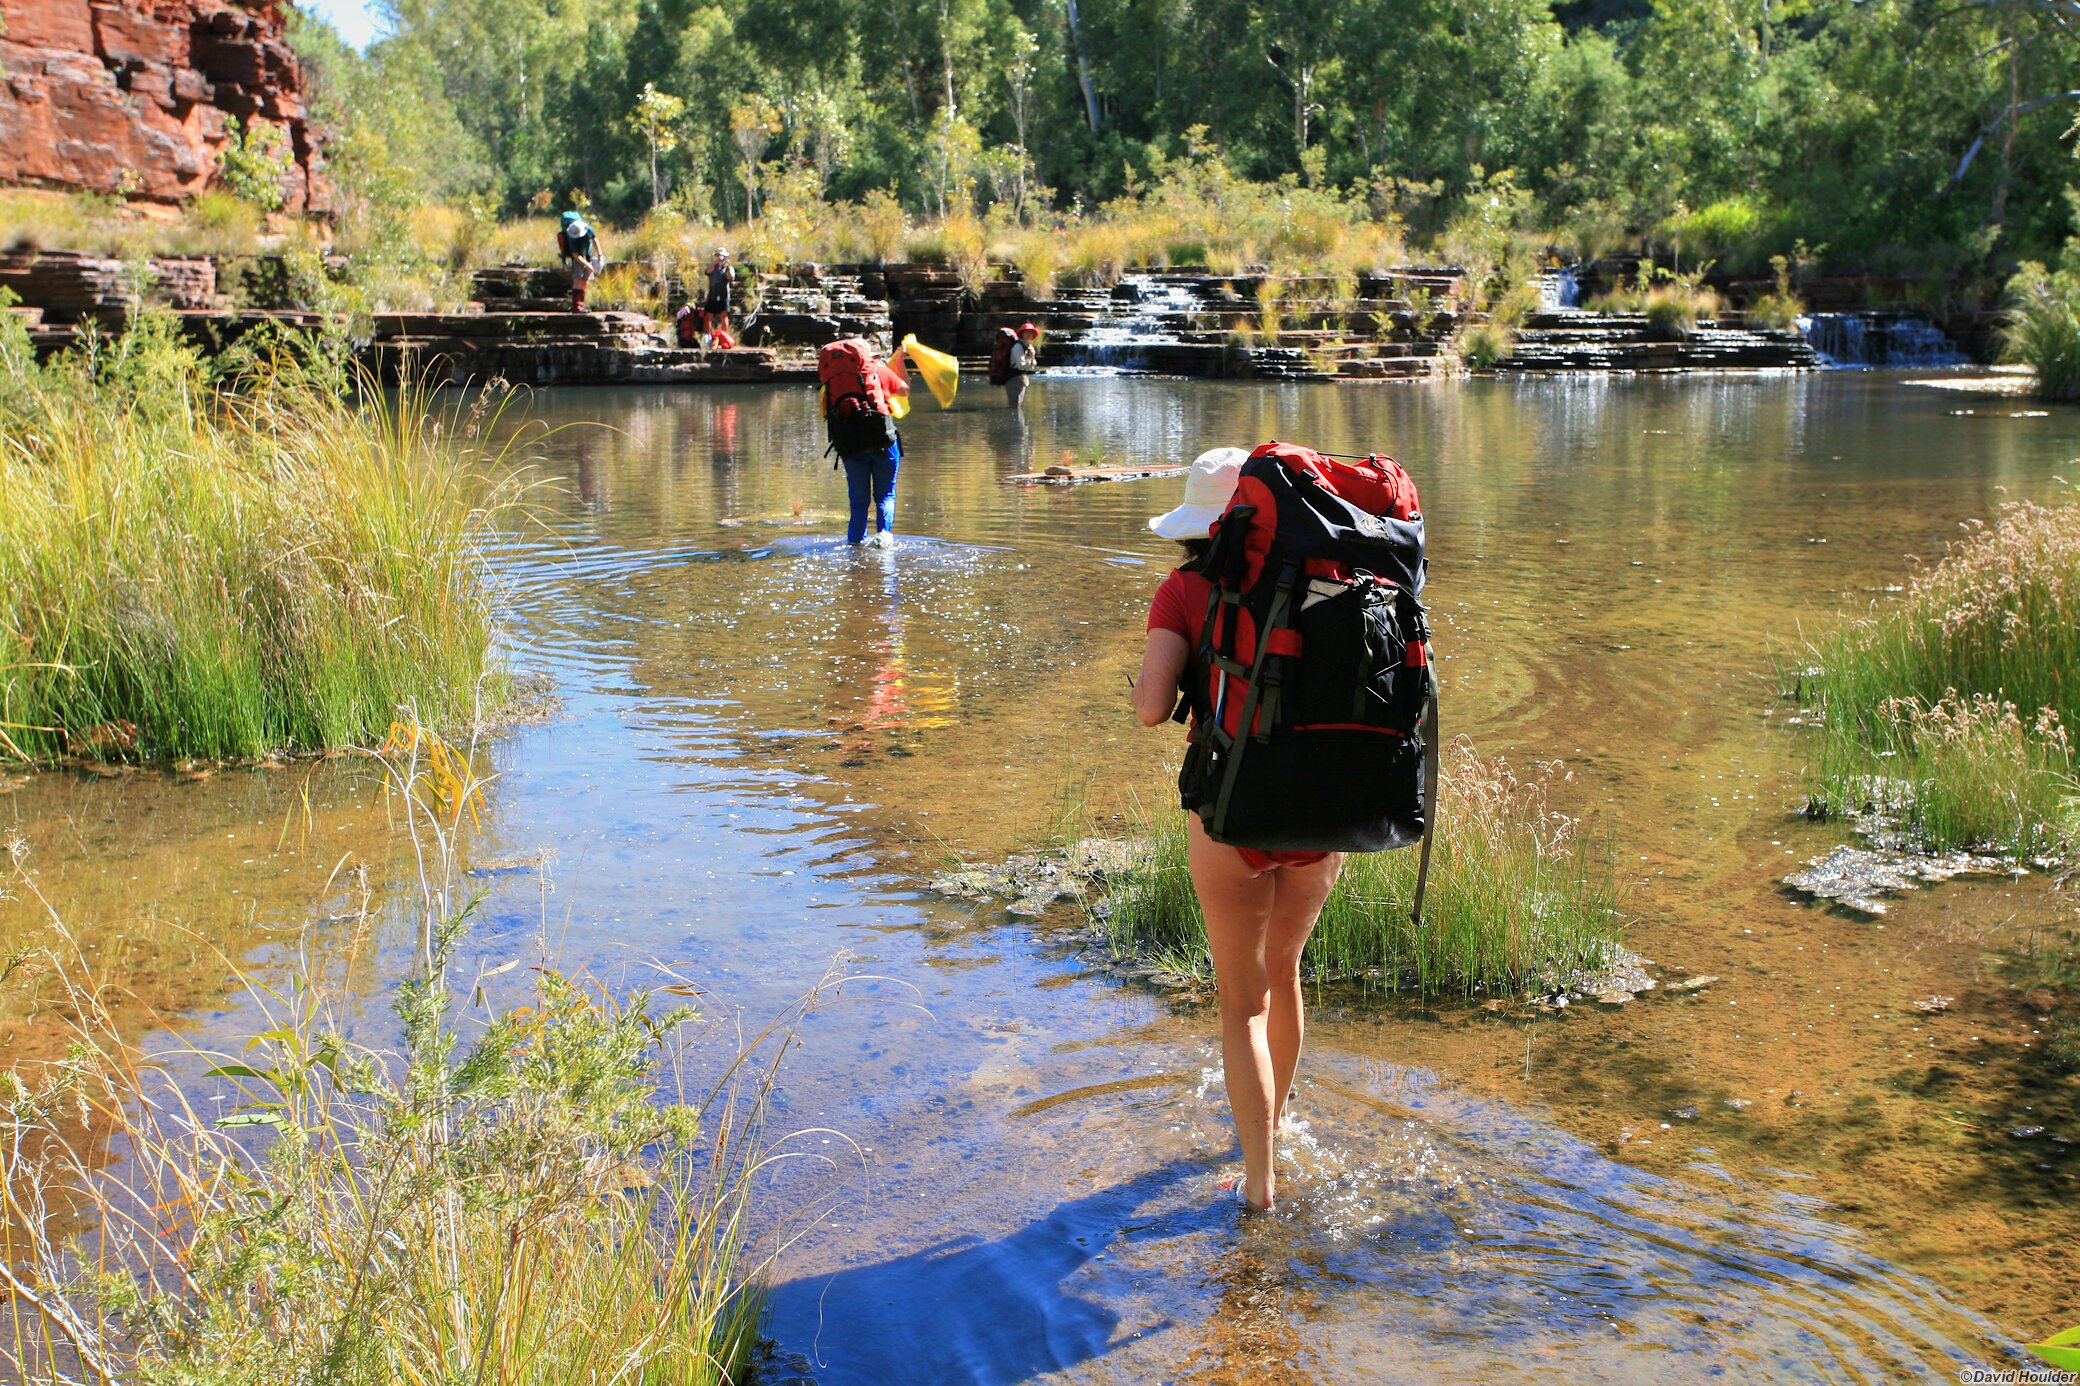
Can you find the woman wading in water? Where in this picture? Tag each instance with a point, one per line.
(1259, 906)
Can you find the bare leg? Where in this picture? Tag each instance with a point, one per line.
(1237, 904)
(1296, 903)
(1256, 926)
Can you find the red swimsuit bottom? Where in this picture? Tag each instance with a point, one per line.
(1270, 861)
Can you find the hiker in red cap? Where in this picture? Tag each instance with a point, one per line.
(1023, 361)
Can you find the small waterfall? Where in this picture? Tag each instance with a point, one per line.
(1558, 289)
(1880, 339)
(1151, 313)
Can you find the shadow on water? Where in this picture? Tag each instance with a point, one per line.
(1434, 1237)
(982, 1310)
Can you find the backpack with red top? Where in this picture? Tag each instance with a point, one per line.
(1311, 681)
(1000, 356)
(857, 413)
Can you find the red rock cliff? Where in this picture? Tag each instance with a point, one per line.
(132, 95)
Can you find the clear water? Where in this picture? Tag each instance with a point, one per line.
(768, 741)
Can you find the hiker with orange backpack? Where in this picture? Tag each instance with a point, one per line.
(860, 400)
(1294, 641)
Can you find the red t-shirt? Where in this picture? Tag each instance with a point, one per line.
(1180, 604)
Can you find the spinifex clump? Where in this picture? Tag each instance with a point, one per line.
(1514, 897)
(1947, 711)
(194, 572)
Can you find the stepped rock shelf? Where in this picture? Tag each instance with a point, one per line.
(559, 348)
(1392, 326)
(1579, 340)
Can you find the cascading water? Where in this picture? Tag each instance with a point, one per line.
(1559, 289)
(1880, 339)
(1155, 313)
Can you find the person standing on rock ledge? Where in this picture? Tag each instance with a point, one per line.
(577, 244)
(722, 290)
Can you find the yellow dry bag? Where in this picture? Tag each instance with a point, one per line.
(942, 373)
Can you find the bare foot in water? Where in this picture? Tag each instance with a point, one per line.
(1233, 1184)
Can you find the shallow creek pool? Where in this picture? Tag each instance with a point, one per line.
(767, 742)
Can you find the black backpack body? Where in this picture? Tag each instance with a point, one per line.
(1311, 680)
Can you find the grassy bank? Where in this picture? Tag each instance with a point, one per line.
(1948, 708)
(192, 570)
(519, 1192)
(1514, 896)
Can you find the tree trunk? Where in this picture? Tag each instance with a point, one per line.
(1083, 71)
(2000, 187)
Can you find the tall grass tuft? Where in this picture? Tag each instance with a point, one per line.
(1515, 897)
(1948, 709)
(523, 1197)
(1780, 309)
(189, 570)
(2043, 326)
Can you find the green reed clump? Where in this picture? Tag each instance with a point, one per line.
(1515, 898)
(521, 1196)
(2043, 326)
(1947, 709)
(192, 569)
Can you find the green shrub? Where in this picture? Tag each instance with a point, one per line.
(1948, 709)
(253, 162)
(1718, 230)
(1515, 898)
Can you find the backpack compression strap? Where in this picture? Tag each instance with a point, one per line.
(1431, 750)
(1244, 730)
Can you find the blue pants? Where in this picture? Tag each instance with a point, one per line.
(872, 475)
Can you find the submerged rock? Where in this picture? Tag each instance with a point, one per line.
(1858, 876)
(1034, 881)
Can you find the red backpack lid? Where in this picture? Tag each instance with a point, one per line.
(1377, 485)
(843, 361)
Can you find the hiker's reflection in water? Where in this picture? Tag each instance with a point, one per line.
(723, 456)
(595, 491)
(722, 434)
(877, 699)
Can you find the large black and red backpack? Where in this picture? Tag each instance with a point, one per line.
(856, 406)
(1000, 356)
(1311, 684)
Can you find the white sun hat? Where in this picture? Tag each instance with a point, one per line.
(1207, 487)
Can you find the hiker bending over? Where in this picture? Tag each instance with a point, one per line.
(690, 327)
(1344, 727)
(860, 400)
(577, 244)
